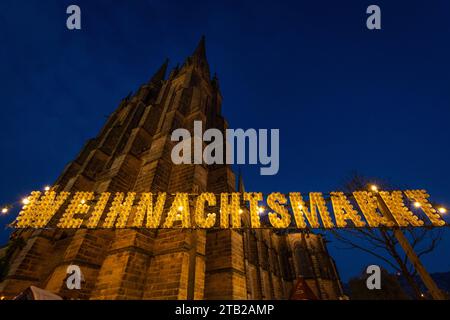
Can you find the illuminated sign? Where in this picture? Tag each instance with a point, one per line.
(228, 210)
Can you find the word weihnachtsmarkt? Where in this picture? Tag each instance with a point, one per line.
(237, 210)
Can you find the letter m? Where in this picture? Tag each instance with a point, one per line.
(241, 136)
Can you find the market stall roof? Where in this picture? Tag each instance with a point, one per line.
(35, 293)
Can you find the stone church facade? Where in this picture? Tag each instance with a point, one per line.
(132, 153)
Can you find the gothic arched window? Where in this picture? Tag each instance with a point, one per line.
(303, 261)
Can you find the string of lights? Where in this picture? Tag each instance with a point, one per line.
(7, 208)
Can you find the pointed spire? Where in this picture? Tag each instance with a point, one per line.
(161, 73)
(215, 81)
(198, 59)
(174, 71)
(241, 187)
(200, 51)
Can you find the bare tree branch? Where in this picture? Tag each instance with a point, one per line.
(374, 242)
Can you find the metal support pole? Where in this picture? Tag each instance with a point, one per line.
(412, 256)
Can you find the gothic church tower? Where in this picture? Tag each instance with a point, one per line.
(133, 153)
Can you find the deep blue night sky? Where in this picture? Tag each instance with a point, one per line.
(344, 98)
